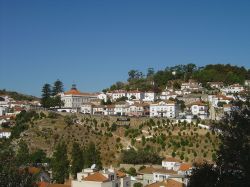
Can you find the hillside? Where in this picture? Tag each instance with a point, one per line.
(184, 141)
(173, 76)
(18, 96)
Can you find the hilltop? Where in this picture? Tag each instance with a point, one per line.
(173, 76)
(18, 96)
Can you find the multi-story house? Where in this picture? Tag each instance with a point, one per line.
(75, 99)
(105, 178)
(235, 88)
(136, 95)
(199, 109)
(121, 108)
(149, 96)
(117, 94)
(138, 109)
(167, 109)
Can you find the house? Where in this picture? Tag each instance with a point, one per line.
(167, 109)
(3, 110)
(199, 109)
(217, 85)
(166, 183)
(185, 169)
(137, 95)
(163, 174)
(102, 96)
(75, 99)
(191, 85)
(215, 100)
(121, 108)
(149, 96)
(5, 133)
(138, 109)
(167, 95)
(4, 101)
(171, 163)
(105, 178)
(117, 94)
(110, 110)
(98, 109)
(235, 88)
(247, 83)
(87, 108)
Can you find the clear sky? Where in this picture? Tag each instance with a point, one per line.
(95, 43)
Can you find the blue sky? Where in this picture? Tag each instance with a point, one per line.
(95, 43)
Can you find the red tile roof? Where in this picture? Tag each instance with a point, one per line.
(97, 177)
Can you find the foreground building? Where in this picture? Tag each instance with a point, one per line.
(104, 178)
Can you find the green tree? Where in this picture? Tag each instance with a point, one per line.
(46, 93)
(92, 156)
(57, 87)
(232, 161)
(60, 163)
(39, 156)
(23, 156)
(77, 161)
(138, 184)
(132, 171)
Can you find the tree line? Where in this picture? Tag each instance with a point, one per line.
(173, 76)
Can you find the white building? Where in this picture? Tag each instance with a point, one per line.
(117, 94)
(136, 94)
(191, 85)
(4, 133)
(171, 164)
(121, 109)
(3, 110)
(102, 96)
(149, 96)
(235, 88)
(87, 108)
(199, 109)
(75, 99)
(138, 109)
(105, 178)
(167, 109)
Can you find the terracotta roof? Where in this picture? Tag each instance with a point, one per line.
(76, 92)
(171, 159)
(167, 183)
(34, 170)
(120, 174)
(98, 177)
(185, 167)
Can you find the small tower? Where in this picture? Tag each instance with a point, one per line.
(73, 87)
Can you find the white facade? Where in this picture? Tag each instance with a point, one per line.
(137, 94)
(75, 99)
(235, 88)
(3, 110)
(121, 109)
(105, 178)
(149, 96)
(86, 108)
(102, 96)
(5, 134)
(199, 109)
(171, 164)
(118, 94)
(164, 109)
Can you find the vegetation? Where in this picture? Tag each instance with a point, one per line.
(172, 76)
(50, 96)
(18, 96)
(232, 161)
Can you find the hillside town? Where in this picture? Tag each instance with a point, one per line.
(188, 104)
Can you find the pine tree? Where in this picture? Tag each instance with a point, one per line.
(92, 156)
(57, 88)
(60, 164)
(46, 93)
(77, 162)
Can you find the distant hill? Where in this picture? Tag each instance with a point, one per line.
(18, 96)
(173, 76)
